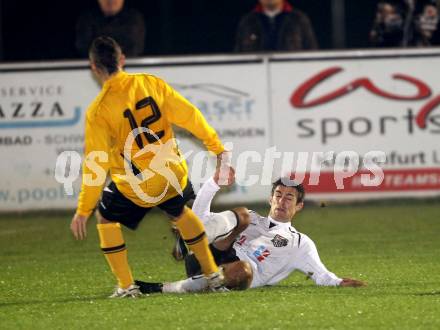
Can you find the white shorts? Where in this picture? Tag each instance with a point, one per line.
(220, 225)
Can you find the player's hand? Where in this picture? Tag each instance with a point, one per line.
(224, 173)
(78, 226)
(348, 282)
(224, 176)
(224, 159)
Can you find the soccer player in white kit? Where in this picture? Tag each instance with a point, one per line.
(253, 250)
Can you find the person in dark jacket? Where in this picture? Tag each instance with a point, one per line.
(275, 25)
(427, 26)
(388, 27)
(125, 25)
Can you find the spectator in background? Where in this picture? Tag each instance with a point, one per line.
(427, 26)
(274, 25)
(388, 27)
(125, 25)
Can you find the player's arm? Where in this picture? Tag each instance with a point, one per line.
(95, 169)
(202, 203)
(310, 264)
(183, 114)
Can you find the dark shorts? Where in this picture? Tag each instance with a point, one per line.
(193, 268)
(114, 206)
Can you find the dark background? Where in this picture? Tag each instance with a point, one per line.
(35, 30)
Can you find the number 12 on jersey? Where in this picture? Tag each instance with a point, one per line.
(144, 103)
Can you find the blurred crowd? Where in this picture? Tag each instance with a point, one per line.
(271, 25)
(406, 23)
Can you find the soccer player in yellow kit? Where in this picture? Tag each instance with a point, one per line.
(140, 109)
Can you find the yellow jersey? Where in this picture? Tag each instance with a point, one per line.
(126, 104)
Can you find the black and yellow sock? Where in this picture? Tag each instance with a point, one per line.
(113, 246)
(192, 231)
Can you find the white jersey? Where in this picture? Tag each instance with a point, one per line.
(274, 249)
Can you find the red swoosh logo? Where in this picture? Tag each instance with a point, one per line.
(423, 91)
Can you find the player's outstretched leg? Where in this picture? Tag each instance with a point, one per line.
(238, 276)
(193, 232)
(113, 245)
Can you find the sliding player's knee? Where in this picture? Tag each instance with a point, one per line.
(243, 217)
(238, 275)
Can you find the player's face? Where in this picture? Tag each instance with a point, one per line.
(111, 7)
(284, 204)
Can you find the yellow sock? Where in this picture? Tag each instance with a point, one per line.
(193, 232)
(113, 246)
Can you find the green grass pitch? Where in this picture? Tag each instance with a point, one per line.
(48, 280)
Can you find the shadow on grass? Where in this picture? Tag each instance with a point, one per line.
(301, 290)
(337, 291)
(90, 299)
(432, 293)
(63, 300)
